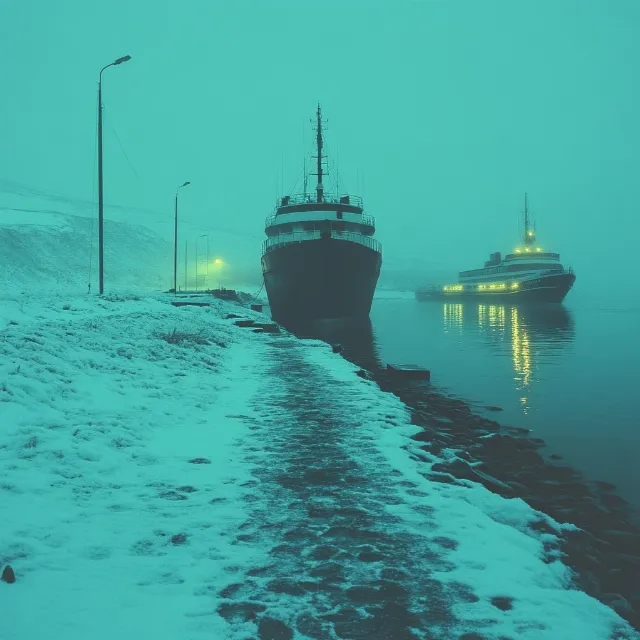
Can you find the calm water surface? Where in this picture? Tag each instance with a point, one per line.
(569, 373)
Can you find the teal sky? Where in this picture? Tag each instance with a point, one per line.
(443, 114)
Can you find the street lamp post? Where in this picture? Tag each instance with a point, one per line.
(206, 277)
(175, 241)
(100, 182)
(186, 246)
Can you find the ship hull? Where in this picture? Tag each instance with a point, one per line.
(545, 289)
(320, 279)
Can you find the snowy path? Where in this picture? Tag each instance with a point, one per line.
(359, 545)
(233, 485)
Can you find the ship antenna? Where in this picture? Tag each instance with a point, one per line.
(305, 177)
(319, 188)
(304, 171)
(527, 227)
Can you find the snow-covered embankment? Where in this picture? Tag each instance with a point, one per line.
(167, 474)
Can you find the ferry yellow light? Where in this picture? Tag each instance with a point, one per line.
(217, 262)
(517, 250)
(494, 286)
(538, 249)
(515, 285)
(528, 250)
(452, 287)
(530, 233)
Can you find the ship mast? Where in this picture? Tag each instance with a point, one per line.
(529, 235)
(319, 188)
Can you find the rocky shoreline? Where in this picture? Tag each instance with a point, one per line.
(604, 553)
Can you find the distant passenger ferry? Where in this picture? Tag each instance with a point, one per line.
(529, 274)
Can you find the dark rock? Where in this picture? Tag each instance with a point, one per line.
(394, 611)
(458, 468)
(179, 538)
(240, 611)
(447, 543)
(624, 541)
(423, 436)
(346, 614)
(444, 478)
(504, 603)
(617, 603)
(560, 473)
(362, 595)
(393, 574)
(330, 572)
(272, 629)
(312, 627)
(200, 461)
(230, 590)
(624, 560)
(283, 586)
(613, 501)
(588, 581)
(8, 575)
(173, 495)
(337, 348)
(392, 591)
(491, 483)
(300, 533)
(363, 373)
(323, 552)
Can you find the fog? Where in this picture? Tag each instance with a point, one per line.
(440, 114)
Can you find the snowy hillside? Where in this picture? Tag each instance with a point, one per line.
(48, 250)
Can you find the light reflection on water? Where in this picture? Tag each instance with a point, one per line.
(564, 374)
(527, 332)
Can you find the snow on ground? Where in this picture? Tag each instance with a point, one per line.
(166, 474)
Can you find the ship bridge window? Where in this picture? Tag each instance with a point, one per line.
(339, 214)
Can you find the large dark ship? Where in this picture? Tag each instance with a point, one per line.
(529, 274)
(320, 259)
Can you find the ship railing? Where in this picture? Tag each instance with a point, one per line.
(296, 237)
(354, 201)
(366, 220)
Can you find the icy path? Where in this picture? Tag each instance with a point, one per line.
(231, 485)
(360, 545)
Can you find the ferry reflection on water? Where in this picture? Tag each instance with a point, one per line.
(531, 334)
